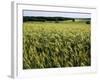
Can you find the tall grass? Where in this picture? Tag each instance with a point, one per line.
(50, 45)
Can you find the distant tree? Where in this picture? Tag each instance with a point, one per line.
(87, 22)
(73, 20)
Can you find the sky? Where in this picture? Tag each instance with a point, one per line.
(56, 14)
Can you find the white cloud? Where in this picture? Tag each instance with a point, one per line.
(56, 14)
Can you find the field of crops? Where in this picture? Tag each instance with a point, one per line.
(52, 45)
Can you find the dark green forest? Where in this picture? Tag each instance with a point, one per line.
(55, 19)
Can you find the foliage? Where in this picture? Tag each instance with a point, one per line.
(43, 19)
(50, 45)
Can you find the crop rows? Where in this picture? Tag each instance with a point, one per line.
(52, 45)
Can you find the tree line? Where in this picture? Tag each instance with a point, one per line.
(43, 19)
(55, 19)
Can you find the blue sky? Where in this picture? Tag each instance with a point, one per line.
(56, 14)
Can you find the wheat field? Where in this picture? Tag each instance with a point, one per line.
(54, 45)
